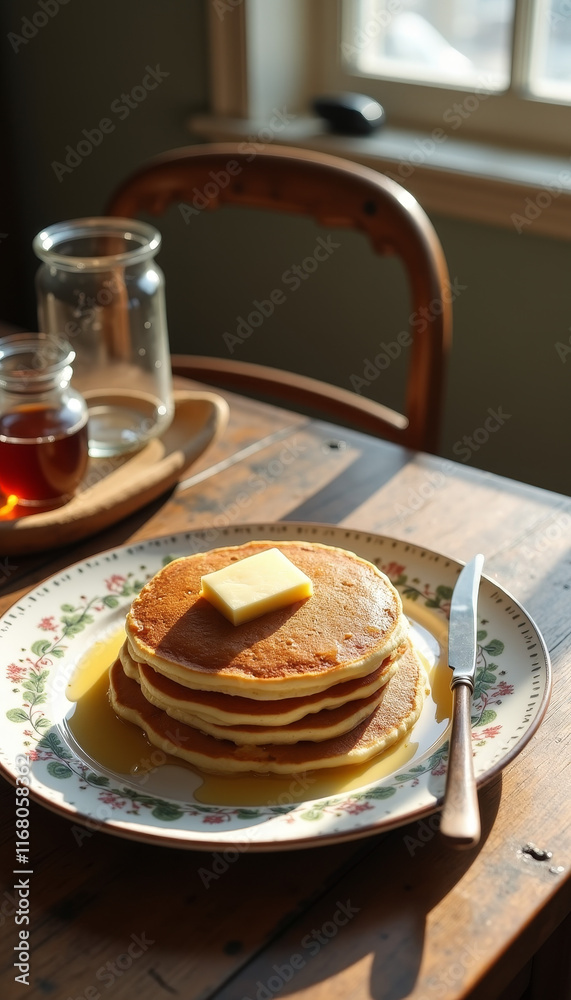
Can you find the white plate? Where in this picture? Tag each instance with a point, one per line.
(48, 631)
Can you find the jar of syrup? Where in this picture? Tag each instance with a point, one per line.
(43, 421)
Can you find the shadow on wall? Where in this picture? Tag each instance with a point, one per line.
(123, 80)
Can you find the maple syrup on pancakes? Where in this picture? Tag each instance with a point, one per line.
(124, 748)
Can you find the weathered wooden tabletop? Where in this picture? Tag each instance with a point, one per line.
(431, 924)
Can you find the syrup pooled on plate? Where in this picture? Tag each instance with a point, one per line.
(123, 747)
(108, 740)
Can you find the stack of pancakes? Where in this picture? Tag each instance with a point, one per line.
(326, 681)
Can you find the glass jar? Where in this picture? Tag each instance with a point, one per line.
(100, 287)
(43, 421)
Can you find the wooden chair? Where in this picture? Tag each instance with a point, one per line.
(335, 192)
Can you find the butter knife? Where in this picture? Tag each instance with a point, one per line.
(460, 821)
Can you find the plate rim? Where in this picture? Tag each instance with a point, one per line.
(192, 840)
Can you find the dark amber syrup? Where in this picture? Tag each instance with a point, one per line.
(43, 453)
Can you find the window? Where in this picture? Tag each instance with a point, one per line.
(550, 63)
(479, 117)
(420, 58)
(465, 44)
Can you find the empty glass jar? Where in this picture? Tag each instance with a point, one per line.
(100, 287)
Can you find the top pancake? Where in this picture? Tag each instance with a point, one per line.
(352, 622)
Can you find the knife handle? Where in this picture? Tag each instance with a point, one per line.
(460, 821)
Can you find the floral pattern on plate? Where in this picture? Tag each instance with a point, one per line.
(50, 628)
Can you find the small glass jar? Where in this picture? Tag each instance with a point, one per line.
(43, 421)
(100, 287)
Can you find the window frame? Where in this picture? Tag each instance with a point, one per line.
(465, 177)
(513, 117)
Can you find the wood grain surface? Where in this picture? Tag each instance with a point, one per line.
(113, 488)
(424, 923)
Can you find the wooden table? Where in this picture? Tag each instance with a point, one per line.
(437, 925)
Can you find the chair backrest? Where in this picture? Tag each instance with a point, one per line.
(335, 192)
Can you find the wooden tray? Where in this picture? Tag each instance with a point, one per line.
(115, 487)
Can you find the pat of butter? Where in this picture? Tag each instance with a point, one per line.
(253, 586)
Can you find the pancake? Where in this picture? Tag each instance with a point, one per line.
(315, 727)
(399, 707)
(351, 623)
(187, 705)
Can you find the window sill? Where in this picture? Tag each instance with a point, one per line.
(527, 192)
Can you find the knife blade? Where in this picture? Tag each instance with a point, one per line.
(463, 623)
(460, 821)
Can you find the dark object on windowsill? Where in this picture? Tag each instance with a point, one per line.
(350, 114)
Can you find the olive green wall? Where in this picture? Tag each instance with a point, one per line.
(513, 304)
(60, 82)
(514, 294)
